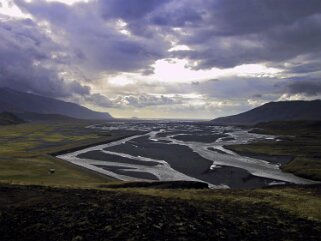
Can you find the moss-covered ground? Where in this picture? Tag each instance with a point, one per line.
(25, 153)
(39, 213)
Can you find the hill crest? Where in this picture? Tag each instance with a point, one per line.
(275, 111)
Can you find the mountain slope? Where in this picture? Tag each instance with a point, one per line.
(29, 116)
(275, 111)
(20, 102)
(7, 118)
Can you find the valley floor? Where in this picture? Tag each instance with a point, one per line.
(97, 209)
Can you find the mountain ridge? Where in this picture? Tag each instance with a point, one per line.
(15, 101)
(275, 111)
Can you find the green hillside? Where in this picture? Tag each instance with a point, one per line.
(7, 118)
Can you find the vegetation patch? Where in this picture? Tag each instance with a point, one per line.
(25, 149)
(7, 118)
(39, 213)
(300, 140)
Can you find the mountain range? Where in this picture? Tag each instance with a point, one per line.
(22, 103)
(275, 111)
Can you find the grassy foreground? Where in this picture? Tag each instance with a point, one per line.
(40, 213)
(300, 140)
(25, 149)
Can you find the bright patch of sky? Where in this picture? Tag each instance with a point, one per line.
(9, 9)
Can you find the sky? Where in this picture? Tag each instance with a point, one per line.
(194, 59)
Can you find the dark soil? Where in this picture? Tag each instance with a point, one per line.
(160, 185)
(38, 213)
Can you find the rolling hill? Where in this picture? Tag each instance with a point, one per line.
(275, 111)
(7, 118)
(20, 102)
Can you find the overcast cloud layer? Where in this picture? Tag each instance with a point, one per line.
(152, 58)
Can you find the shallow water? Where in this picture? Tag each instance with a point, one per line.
(163, 154)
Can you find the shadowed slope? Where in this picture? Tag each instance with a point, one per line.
(275, 111)
(20, 102)
(7, 118)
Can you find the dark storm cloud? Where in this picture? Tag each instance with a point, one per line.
(54, 12)
(239, 32)
(23, 47)
(129, 10)
(95, 40)
(308, 64)
(233, 87)
(274, 45)
(305, 68)
(178, 14)
(234, 17)
(305, 87)
(221, 33)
